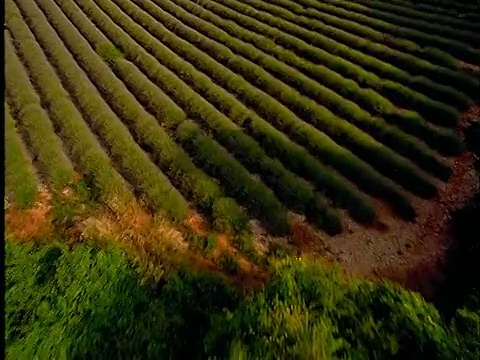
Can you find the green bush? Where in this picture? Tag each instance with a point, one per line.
(78, 303)
(304, 311)
(109, 52)
(229, 217)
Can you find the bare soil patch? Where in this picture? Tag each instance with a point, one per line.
(34, 222)
(411, 254)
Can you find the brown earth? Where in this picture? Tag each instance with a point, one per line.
(411, 254)
(27, 224)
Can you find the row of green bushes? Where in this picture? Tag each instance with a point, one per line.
(302, 132)
(304, 311)
(193, 183)
(432, 55)
(175, 163)
(397, 93)
(429, 75)
(443, 140)
(344, 133)
(401, 16)
(33, 121)
(380, 61)
(376, 127)
(108, 186)
(20, 179)
(276, 144)
(136, 165)
(344, 9)
(290, 189)
(265, 204)
(239, 182)
(413, 11)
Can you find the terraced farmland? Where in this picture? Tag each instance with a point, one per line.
(238, 109)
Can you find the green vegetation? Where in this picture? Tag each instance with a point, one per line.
(390, 136)
(337, 129)
(108, 185)
(20, 179)
(230, 109)
(443, 140)
(89, 302)
(35, 123)
(397, 93)
(357, 12)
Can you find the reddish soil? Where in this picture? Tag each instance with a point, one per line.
(35, 222)
(197, 224)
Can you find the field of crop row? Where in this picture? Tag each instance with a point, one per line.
(237, 108)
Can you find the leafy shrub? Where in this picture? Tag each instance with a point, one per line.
(88, 302)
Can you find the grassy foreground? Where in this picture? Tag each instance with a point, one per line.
(91, 302)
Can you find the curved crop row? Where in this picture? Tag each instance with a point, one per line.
(167, 154)
(397, 93)
(34, 122)
(383, 11)
(137, 166)
(412, 11)
(321, 145)
(82, 144)
(275, 143)
(403, 143)
(374, 57)
(290, 189)
(338, 129)
(137, 82)
(461, 50)
(20, 178)
(436, 81)
(442, 140)
(219, 163)
(433, 55)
